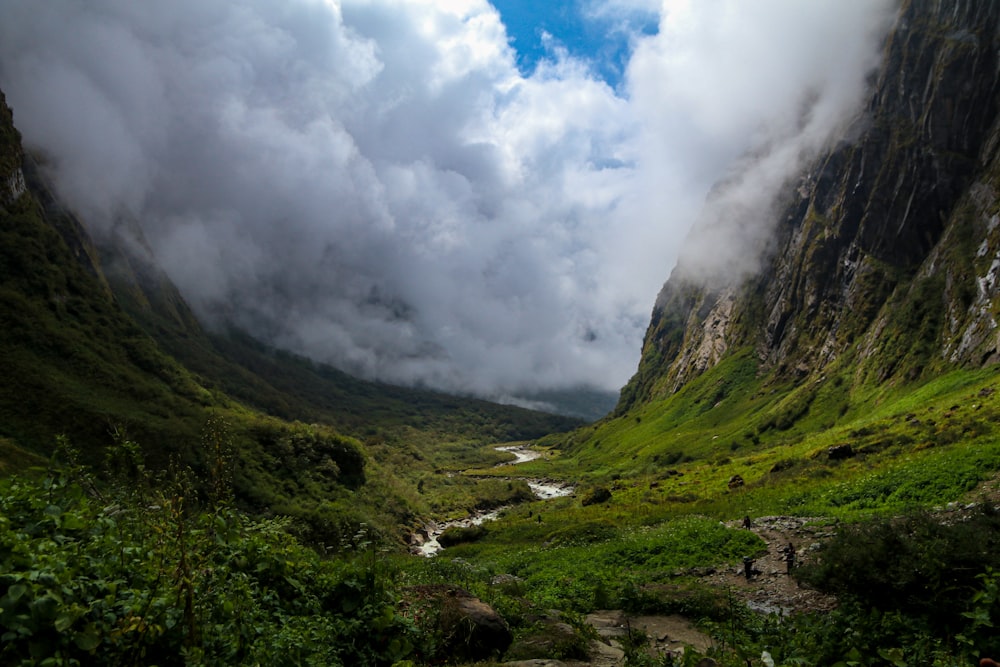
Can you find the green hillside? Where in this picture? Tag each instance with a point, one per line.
(74, 362)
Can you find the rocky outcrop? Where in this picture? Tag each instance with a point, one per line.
(12, 187)
(12, 184)
(889, 239)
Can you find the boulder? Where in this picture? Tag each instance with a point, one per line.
(599, 494)
(470, 629)
(551, 640)
(840, 452)
(467, 629)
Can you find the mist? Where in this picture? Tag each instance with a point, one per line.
(374, 184)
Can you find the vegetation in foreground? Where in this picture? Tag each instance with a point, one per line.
(148, 564)
(136, 574)
(136, 577)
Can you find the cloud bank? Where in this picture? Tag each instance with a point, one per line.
(373, 183)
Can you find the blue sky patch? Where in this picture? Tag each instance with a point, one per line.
(603, 41)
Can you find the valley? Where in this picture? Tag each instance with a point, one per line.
(179, 491)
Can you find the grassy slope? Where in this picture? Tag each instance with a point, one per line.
(410, 435)
(292, 387)
(668, 467)
(730, 422)
(914, 446)
(73, 362)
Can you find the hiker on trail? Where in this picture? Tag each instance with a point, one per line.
(748, 567)
(747, 523)
(788, 555)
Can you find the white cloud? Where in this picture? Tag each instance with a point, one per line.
(373, 183)
(723, 79)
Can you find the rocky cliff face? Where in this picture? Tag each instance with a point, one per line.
(12, 184)
(887, 250)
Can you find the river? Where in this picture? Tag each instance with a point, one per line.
(544, 489)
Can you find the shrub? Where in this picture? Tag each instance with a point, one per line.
(586, 532)
(915, 564)
(98, 576)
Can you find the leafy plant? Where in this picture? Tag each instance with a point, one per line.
(96, 575)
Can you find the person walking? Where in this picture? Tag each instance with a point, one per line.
(788, 555)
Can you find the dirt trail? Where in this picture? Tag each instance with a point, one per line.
(771, 588)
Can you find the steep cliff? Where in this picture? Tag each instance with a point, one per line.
(886, 251)
(73, 362)
(11, 177)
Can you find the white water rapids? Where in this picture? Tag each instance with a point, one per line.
(543, 490)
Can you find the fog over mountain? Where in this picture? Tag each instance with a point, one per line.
(374, 183)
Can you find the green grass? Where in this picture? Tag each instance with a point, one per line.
(923, 446)
(592, 564)
(668, 467)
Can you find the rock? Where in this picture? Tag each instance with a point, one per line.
(506, 581)
(595, 496)
(600, 654)
(703, 571)
(551, 639)
(781, 466)
(840, 452)
(735, 482)
(472, 629)
(469, 629)
(609, 624)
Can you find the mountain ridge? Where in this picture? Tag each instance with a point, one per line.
(103, 359)
(855, 231)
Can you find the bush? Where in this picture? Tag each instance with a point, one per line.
(586, 532)
(98, 576)
(689, 598)
(916, 564)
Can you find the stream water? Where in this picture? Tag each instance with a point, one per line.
(542, 488)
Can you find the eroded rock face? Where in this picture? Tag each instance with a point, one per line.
(910, 196)
(13, 188)
(12, 184)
